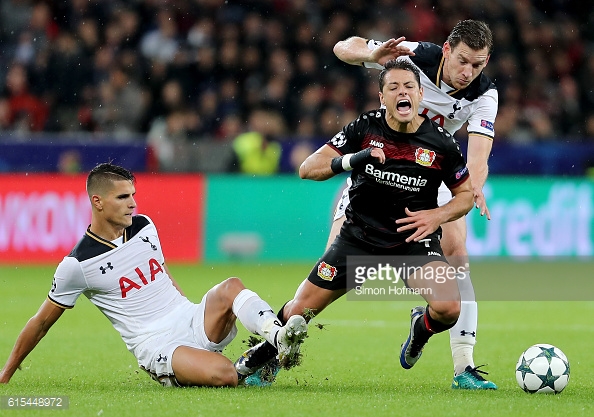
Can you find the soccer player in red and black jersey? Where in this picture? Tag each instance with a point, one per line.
(398, 160)
(456, 92)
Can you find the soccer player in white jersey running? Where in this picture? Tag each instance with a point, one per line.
(119, 266)
(456, 92)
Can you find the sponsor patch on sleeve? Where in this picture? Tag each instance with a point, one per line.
(487, 125)
(461, 173)
(339, 140)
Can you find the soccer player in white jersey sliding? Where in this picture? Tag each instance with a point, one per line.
(456, 92)
(119, 266)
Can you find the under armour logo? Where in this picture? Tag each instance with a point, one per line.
(162, 358)
(464, 333)
(104, 269)
(456, 107)
(261, 313)
(146, 239)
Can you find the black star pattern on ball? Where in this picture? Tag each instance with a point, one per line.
(566, 369)
(548, 353)
(548, 380)
(524, 367)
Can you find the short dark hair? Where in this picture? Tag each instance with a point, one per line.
(473, 33)
(402, 64)
(102, 175)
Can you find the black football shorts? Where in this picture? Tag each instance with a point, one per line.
(330, 272)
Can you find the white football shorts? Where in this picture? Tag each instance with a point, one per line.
(185, 327)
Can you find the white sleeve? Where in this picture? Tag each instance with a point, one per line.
(482, 120)
(69, 283)
(373, 45)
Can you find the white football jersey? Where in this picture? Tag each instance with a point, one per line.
(126, 281)
(450, 108)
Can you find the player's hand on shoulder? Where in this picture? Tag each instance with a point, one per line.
(391, 49)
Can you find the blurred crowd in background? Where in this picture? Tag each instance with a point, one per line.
(247, 75)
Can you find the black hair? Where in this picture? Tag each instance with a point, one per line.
(106, 173)
(474, 33)
(402, 64)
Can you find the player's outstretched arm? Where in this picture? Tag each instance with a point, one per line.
(326, 162)
(32, 333)
(479, 148)
(425, 222)
(355, 51)
(317, 165)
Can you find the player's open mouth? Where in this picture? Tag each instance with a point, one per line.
(403, 107)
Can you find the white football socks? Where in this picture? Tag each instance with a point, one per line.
(256, 315)
(463, 334)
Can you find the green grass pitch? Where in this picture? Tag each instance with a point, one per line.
(350, 360)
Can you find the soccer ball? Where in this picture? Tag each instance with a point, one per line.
(542, 368)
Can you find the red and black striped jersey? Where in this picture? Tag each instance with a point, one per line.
(416, 164)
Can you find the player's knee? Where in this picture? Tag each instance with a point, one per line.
(233, 283)
(225, 377)
(231, 287)
(446, 311)
(456, 251)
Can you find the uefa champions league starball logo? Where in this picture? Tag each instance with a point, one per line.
(338, 140)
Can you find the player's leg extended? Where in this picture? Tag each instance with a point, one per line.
(230, 299)
(323, 285)
(309, 301)
(443, 309)
(463, 334)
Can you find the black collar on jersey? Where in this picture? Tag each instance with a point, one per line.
(429, 58)
(105, 241)
(92, 245)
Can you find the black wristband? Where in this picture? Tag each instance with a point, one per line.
(361, 157)
(336, 165)
(351, 160)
